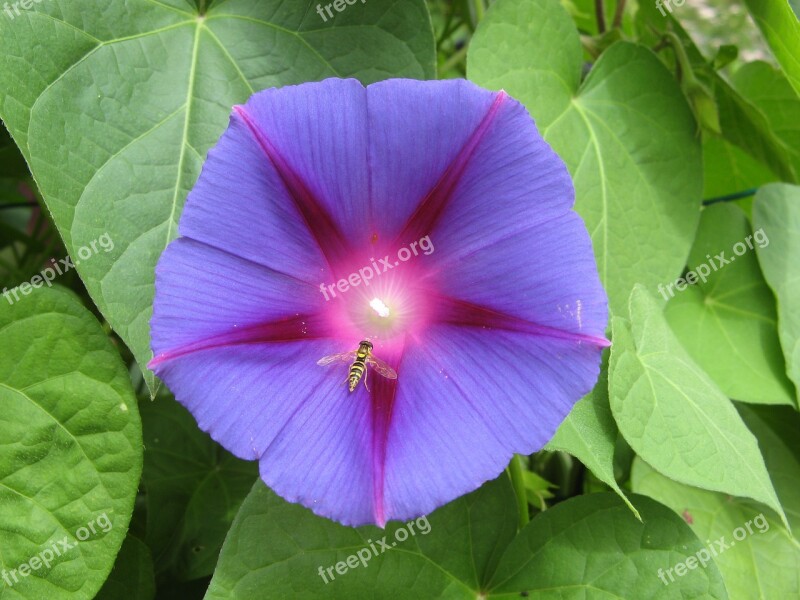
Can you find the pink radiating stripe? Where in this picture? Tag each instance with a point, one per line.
(459, 312)
(299, 327)
(430, 209)
(382, 395)
(328, 236)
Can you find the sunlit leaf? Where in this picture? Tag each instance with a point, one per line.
(674, 416)
(469, 551)
(726, 319)
(70, 448)
(115, 105)
(755, 554)
(626, 134)
(777, 212)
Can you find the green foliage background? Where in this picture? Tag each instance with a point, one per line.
(682, 133)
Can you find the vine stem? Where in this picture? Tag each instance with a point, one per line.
(601, 16)
(455, 59)
(518, 481)
(479, 11)
(730, 197)
(18, 205)
(618, 13)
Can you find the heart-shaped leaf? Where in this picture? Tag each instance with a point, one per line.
(768, 90)
(781, 29)
(758, 558)
(626, 134)
(726, 320)
(674, 416)
(466, 549)
(115, 104)
(777, 212)
(70, 448)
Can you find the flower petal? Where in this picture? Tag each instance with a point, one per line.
(544, 274)
(494, 335)
(467, 401)
(417, 130)
(267, 401)
(452, 153)
(272, 402)
(207, 298)
(280, 188)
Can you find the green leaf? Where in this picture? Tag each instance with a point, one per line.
(468, 550)
(132, 577)
(592, 547)
(768, 90)
(728, 169)
(70, 447)
(760, 562)
(589, 433)
(193, 489)
(626, 134)
(537, 489)
(742, 123)
(776, 429)
(453, 556)
(726, 54)
(115, 107)
(781, 29)
(674, 416)
(777, 212)
(728, 323)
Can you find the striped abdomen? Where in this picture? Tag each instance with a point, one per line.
(359, 365)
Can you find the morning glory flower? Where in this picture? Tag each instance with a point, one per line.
(423, 226)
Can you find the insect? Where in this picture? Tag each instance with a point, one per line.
(360, 359)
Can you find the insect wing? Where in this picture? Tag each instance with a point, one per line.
(343, 357)
(381, 367)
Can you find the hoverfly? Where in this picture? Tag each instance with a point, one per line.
(359, 360)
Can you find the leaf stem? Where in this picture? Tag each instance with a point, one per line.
(618, 13)
(730, 197)
(479, 11)
(685, 73)
(18, 205)
(599, 10)
(516, 471)
(454, 60)
(447, 24)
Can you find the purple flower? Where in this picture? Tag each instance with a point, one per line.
(426, 217)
